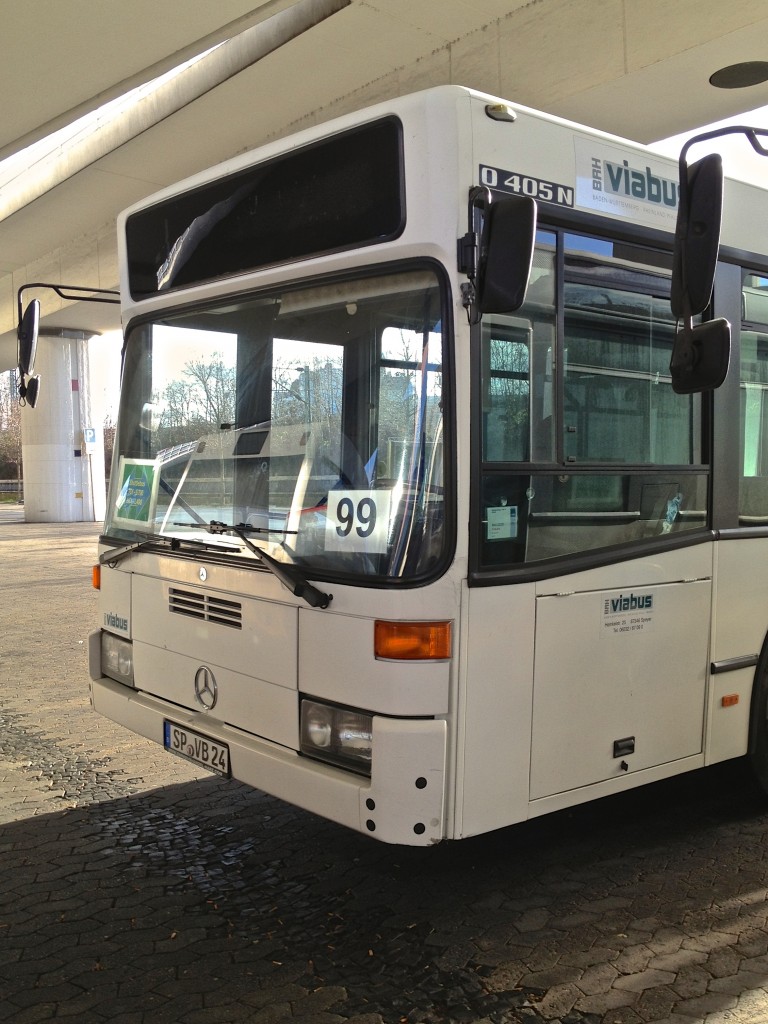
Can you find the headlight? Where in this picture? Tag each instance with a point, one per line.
(117, 658)
(338, 735)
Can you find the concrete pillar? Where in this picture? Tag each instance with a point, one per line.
(64, 478)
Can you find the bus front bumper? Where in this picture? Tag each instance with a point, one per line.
(403, 802)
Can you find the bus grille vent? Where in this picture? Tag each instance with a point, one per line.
(206, 607)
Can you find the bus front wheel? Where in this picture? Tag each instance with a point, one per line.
(758, 722)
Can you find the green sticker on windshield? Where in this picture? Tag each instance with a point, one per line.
(137, 496)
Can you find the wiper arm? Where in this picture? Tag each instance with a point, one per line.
(115, 555)
(290, 577)
(182, 503)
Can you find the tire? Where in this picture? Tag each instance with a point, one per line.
(758, 722)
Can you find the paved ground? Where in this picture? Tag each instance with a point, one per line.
(135, 889)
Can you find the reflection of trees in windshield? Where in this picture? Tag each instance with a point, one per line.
(198, 402)
(307, 394)
(401, 394)
(398, 396)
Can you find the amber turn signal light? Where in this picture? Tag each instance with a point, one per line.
(412, 641)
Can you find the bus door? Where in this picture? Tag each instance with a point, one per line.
(587, 455)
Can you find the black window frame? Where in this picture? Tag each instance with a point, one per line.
(448, 407)
(481, 574)
(360, 173)
(748, 324)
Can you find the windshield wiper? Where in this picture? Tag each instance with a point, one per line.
(117, 554)
(290, 576)
(241, 526)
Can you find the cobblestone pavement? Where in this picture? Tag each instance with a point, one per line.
(136, 889)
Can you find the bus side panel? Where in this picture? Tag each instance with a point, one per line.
(619, 683)
(740, 625)
(495, 709)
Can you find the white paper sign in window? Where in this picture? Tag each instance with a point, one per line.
(502, 522)
(358, 521)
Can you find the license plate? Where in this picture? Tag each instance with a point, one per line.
(196, 747)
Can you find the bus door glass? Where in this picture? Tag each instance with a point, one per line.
(583, 443)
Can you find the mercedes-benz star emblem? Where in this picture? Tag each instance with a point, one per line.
(206, 690)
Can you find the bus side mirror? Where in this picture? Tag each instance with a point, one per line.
(29, 390)
(700, 354)
(27, 335)
(697, 236)
(700, 357)
(506, 254)
(29, 326)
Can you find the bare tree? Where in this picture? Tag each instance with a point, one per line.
(10, 429)
(213, 389)
(109, 443)
(179, 399)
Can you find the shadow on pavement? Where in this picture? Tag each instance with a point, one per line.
(207, 901)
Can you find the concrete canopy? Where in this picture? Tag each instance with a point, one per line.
(639, 68)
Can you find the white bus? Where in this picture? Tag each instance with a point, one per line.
(421, 568)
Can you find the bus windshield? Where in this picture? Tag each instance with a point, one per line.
(311, 420)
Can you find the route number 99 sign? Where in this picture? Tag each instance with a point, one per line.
(358, 521)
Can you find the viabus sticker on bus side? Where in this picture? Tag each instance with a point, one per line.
(627, 613)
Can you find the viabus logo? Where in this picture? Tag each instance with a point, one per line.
(628, 603)
(115, 621)
(621, 179)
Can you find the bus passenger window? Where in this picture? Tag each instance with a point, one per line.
(753, 483)
(618, 401)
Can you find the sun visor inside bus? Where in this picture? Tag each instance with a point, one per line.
(338, 193)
